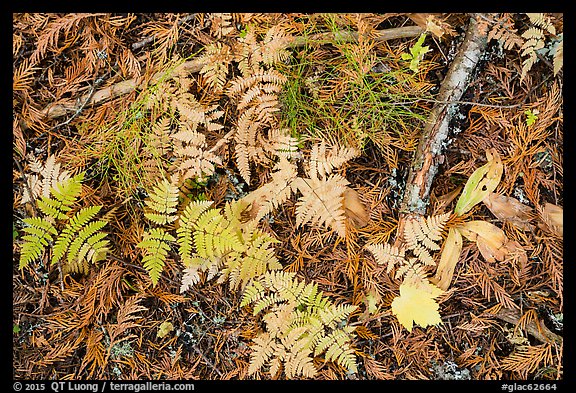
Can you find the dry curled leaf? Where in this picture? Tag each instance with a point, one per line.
(492, 242)
(448, 260)
(553, 218)
(354, 208)
(488, 237)
(482, 182)
(510, 209)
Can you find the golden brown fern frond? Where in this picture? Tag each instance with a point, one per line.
(221, 24)
(324, 160)
(246, 147)
(273, 47)
(241, 84)
(504, 32)
(387, 254)
(421, 234)
(269, 196)
(322, 202)
(217, 59)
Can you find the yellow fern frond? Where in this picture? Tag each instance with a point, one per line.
(162, 202)
(186, 228)
(80, 239)
(156, 246)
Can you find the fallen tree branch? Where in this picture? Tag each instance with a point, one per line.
(428, 155)
(352, 36)
(536, 329)
(63, 108)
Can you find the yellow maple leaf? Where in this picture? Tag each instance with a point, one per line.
(416, 304)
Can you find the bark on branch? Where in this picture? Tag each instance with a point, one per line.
(63, 108)
(433, 139)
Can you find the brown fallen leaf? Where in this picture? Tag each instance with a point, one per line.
(488, 237)
(510, 209)
(441, 202)
(432, 23)
(492, 242)
(354, 208)
(553, 218)
(450, 255)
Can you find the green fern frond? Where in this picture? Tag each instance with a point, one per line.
(65, 194)
(258, 258)
(213, 236)
(74, 225)
(88, 239)
(80, 239)
(162, 203)
(155, 245)
(187, 227)
(39, 235)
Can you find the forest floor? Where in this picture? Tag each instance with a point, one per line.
(318, 129)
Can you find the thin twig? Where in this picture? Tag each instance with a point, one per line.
(89, 96)
(208, 362)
